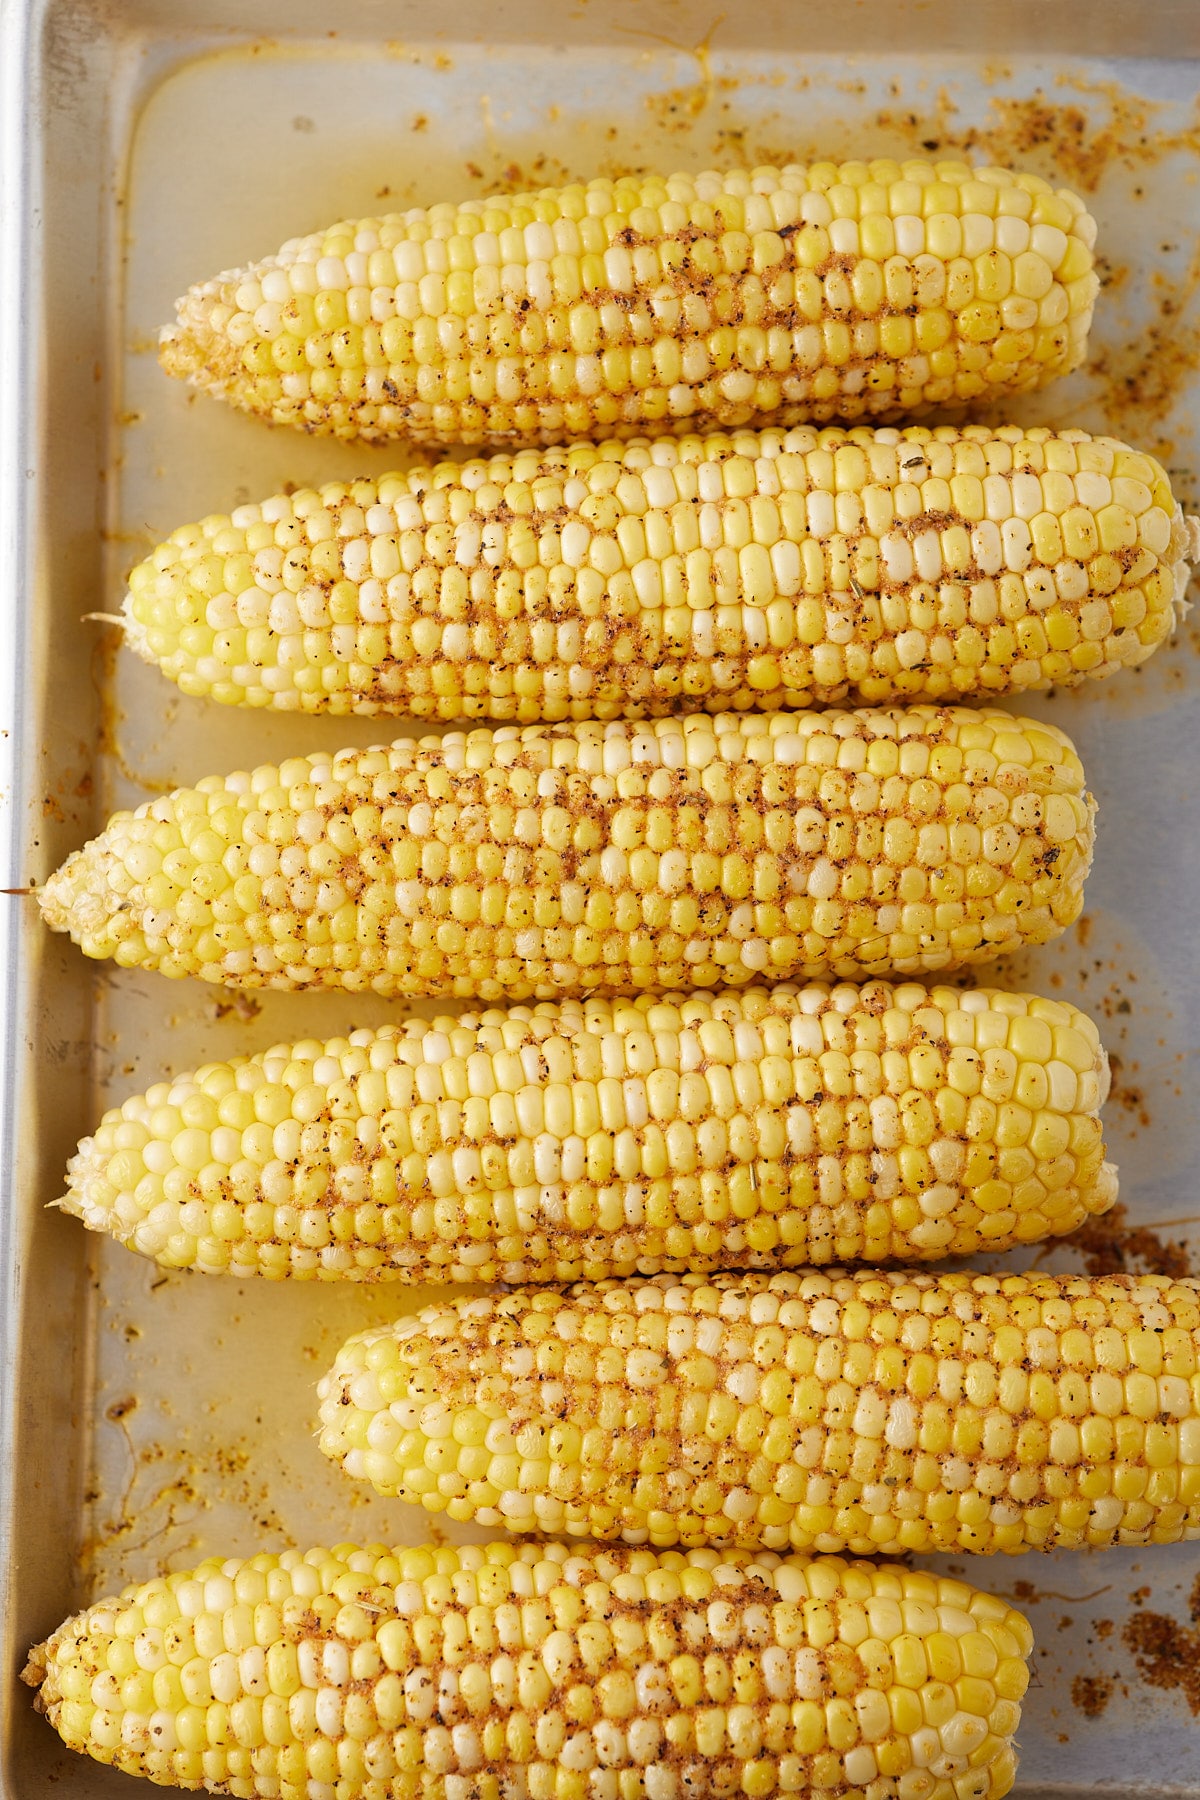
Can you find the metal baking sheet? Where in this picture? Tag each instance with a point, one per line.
(149, 1419)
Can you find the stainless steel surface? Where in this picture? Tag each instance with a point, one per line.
(148, 1419)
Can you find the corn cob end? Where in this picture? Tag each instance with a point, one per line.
(137, 637)
(85, 1183)
(35, 1674)
(1103, 1196)
(197, 348)
(179, 353)
(76, 899)
(190, 350)
(1185, 544)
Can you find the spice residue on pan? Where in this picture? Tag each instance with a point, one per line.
(231, 1004)
(1079, 139)
(1144, 370)
(1125, 1092)
(105, 653)
(1092, 1693)
(1166, 1654)
(1111, 1245)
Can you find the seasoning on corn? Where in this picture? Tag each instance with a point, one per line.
(764, 1129)
(865, 291)
(546, 1671)
(690, 852)
(868, 1412)
(754, 570)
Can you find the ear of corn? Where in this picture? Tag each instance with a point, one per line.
(861, 291)
(762, 1129)
(870, 1412)
(692, 852)
(755, 570)
(484, 1671)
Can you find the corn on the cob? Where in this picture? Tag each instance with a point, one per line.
(620, 581)
(868, 1412)
(764, 1129)
(864, 291)
(690, 852)
(484, 1671)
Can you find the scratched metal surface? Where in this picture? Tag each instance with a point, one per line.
(151, 1419)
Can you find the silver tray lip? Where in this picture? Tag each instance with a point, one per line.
(19, 243)
(19, 395)
(25, 117)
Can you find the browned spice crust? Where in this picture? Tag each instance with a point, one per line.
(1110, 1245)
(1092, 1693)
(1166, 1653)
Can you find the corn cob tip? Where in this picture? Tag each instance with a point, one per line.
(85, 1176)
(191, 351)
(75, 898)
(178, 352)
(1104, 1194)
(58, 895)
(34, 1673)
(1187, 533)
(137, 637)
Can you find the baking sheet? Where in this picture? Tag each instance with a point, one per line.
(182, 1407)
